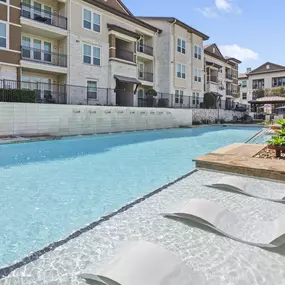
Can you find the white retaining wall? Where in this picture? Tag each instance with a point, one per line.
(59, 120)
(214, 114)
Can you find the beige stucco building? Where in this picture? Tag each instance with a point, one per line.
(221, 77)
(266, 76)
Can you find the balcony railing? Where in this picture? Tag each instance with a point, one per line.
(43, 16)
(212, 79)
(147, 76)
(145, 49)
(44, 56)
(229, 76)
(125, 54)
(229, 92)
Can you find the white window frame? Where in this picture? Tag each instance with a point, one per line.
(197, 75)
(179, 95)
(244, 86)
(92, 54)
(7, 35)
(181, 46)
(243, 97)
(92, 20)
(198, 54)
(92, 80)
(4, 3)
(141, 64)
(179, 68)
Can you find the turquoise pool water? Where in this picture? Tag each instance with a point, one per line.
(50, 189)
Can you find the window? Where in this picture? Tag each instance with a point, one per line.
(243, 84)
(141, 69)
(197, 52)
(92, 89)
(195, 99)
(180, 70)
(197, 75)
(26, 47)
(140, 94)
(91, 19)
(179, 96)
(91, 55)
(244, 96)
(3, 1)
(220, 70)
(278, 81)
(3, 35)
(141, 45)
(181, 46)
(258, 83)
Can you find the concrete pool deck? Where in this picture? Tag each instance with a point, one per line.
(218, 259)
(239, 158)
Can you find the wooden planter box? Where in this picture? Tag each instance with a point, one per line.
(275, 127)
(278, 149)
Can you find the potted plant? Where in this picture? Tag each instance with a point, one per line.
(277, 142)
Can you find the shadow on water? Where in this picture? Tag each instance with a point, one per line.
(30, 152)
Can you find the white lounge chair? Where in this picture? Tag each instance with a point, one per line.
(239, 185)
(144, 263)
(264, 234)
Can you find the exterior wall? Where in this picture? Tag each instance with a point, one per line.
(10, 56)
(60, 120)
(214, 114)
(267, 80)
(243, 90)
(8, 72)
(79, 72)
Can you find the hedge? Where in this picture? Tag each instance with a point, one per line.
(17, 95)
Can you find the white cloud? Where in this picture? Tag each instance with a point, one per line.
(207, 12)
(224, 5)
(238, 52)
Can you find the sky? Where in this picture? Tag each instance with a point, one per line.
(250, 30)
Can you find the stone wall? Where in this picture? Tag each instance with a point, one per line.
(214, 114)
(21, 119)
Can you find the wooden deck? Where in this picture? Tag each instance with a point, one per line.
(239, 158)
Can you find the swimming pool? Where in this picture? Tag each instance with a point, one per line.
(50, 189)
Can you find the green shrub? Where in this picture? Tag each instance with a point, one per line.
(17, 95)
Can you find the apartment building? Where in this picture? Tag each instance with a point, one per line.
(266, 76)
(52, 45)
(179, 61)
(221, 77)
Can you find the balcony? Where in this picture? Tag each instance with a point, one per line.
(125, 55)
(49, 24)
(146, 76)
(145, 49)
(43, 60)
(211, 78)
(229, 92)
(229, 76)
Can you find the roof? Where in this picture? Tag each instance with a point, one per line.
(214, 51)
(269, 100)
(113, 7)
(242, 75)
(123, 31)
(118, 5)
(178, 22)
(267, 67)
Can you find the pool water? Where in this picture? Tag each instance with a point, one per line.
(50, 189)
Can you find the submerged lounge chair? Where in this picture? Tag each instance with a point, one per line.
(144, 263)
(263, 234)
(239, 185)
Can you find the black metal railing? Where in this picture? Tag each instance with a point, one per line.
(125, 54)
(147, 76)
(145, 49)
(229, 76)
(43, 16)
(44, 56)
(49, 93)
(211, 78)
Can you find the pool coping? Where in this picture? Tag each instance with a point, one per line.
(5, 271)
(240, 158)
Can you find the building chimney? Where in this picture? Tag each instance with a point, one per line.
(248, 70)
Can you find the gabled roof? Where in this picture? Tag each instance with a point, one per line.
(214, 51)
(180, 23)
(242, 75)
(267, 67)
(117, 7)
(232, 59)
